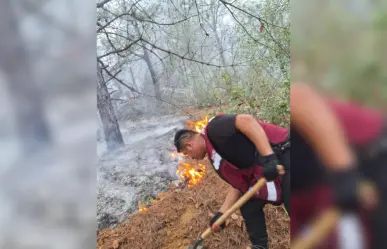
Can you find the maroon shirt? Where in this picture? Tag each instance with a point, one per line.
(361, 126)
(233, 145)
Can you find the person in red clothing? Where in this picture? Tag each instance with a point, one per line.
(335, 147)
(238, 146)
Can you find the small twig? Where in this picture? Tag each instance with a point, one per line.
(115, 18)
(101, 4)
(248, 13)
(243, 27)
(200, 22)
(185, 58)
(119, 71)
(134, 90)
(116, 51)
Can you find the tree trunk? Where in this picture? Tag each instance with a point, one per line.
(111, 128)
(215, 30)
(153, 74)
(31, 125)
(220, 48)
(133, 82)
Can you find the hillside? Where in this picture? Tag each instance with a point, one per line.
(177, 217)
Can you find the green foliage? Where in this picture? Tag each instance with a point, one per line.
(262, 89)
(344, 51)
(269, 49)
(259, 96)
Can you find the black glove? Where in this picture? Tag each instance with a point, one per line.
(269, 164)
(345, 188)
(217, 216)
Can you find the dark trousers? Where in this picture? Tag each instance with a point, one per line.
(284, 159)
(376, 170)
(254, 216)
(253, 213)
(372, 166)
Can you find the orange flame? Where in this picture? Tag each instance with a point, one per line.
(188, 172)
(191, 174)
(198, 126)
(142, 207)
(175, 155)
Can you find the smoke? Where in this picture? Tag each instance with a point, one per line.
(47, 137)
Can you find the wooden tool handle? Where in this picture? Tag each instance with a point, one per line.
(328, 220)
(206, 233)
(321, 228)
(241, 201)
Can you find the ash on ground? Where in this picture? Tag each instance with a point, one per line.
(137, 172)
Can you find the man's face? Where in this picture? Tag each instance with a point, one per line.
(195, 148)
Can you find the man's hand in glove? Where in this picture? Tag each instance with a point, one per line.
(216, 228)
(270, 170)
(351, 191)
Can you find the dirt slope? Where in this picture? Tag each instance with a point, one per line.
(176, 219)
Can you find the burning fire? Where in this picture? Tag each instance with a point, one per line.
(190, 174)
(198, 125)
(176, 155)
(142, 207)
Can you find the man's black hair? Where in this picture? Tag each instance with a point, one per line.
(180, 136)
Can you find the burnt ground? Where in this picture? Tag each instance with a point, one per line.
(137, 172)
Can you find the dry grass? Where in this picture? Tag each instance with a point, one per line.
(179, 216)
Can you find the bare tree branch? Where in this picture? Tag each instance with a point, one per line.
(101, 27)
(122, 100)
(101, 4)
(200, 22)
(104, 68)
(116, 17)
(111, 43)
(162, 24)
(184, 58)
(119, 35)
(116, 51)
(219, 53)
(146, 13)
(247, 32)
(278, 43)
(248, 13)
(150, 50)
(112, 77)
(111, 93)
(134, 90)
(175, 7)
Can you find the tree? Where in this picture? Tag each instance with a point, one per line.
(111, 128)
(189, 47)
